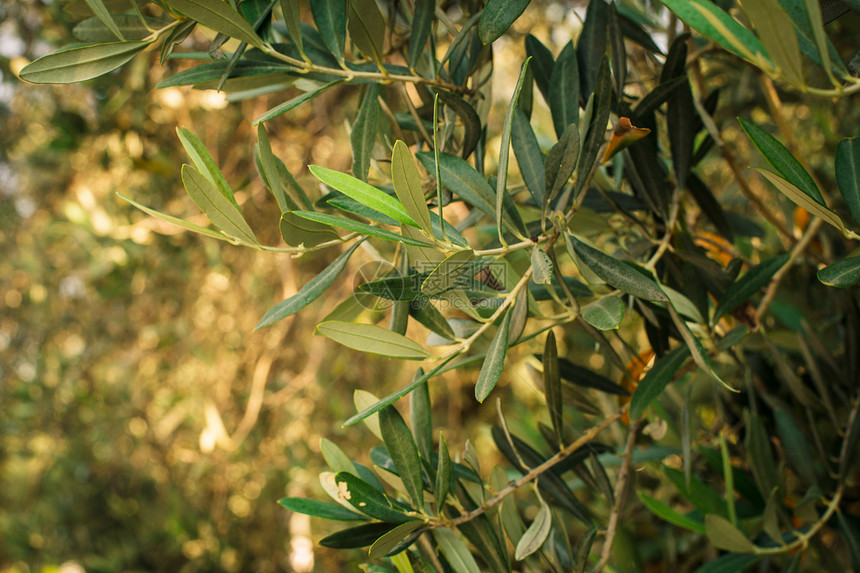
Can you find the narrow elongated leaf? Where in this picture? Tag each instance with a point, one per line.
(323, 509)
(583, 548)
(848, 174)
(223, 214)
(396, 539)
(363, 193)
(711, 22)
(666, 513)
(204, 163)
(80, 64)
(463, 180)
(605, 313)
(293, 103)
(749, 284)
(308, 293)
(681, 123)
(844, 273)
(360, 536)
(564, 90)
(404, 453)
(797, 448)
(813, 12)
(455, 551)
(207, 76)
(359, 227)
(591, 46)
(366, 27)
(618, 50)
(178, 222)
(406, 287)
(618, 274)
(296, 230)
(537, 533)
(726, 536)
(221, 17)
(130, 26)
(443, 474)
(652, 385)
(448, 274)
(603, 103)
(505, 149)
(268, 167)
(369, 500)
(106, 18)
(776, 31)
(352, 206)
(491, 370)
(407, 185)
(363, 134)
(541, 266)
(330, 18)
(471, 122)
(561, 161)
(529, 156)
(421, 418)
(801, 198)
(703, 497)
(293, 22)
(373, 339)
(730, 563)
(759, 454)
(497, 17)
(422, 25)
(584, 377)
(542, 64)
(552, 387)
(782, 160)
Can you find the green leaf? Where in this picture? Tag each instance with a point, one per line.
(221, 17)
(372, 339)
(804, 200)
(603, 102)
(619, 275)
(464, 180)
(796, 447)
(564, 90)
(652, 385)
(497, 17)
(730, 563)
(443, 474)
(759, 454)
(848, 174)
(541, 266)
(776, 31)
(552, 387)
(296, 230)
(726, 536)
(268, 169)
(448, 274)
(407, 185)
(130, 26)
(363, 193)
(359, 227)
(682, 124)
(360, 536)
(293, 103)
(561, 161)
(666, 513)
(335, 458)
(711, 22)
(406, 287)
(223, 214)
(605, 313)
(427, 314)
(584, 377)
(421, 418)
(363, 400)
(617, 49)
(542, 64)
(505, 149)
(471, 122)
(204, 163)
(422, 25)
(583, 548)
(308, 293)
(455, 551)
(537, 532)
(207, 76)
(491, 370)
(404, 453)
(102, 13)
(369, 500)
(350, 205)
(293, 22)
(813, 12)
(363, 135)
(749, 284)
(367, 28)
(529, 156)
(178, 222)
(323, 509)
(844, 273)
(782, 160)
(702, 496)
(591, 45)
(80, 64)
(395, 540)
(330, 18)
